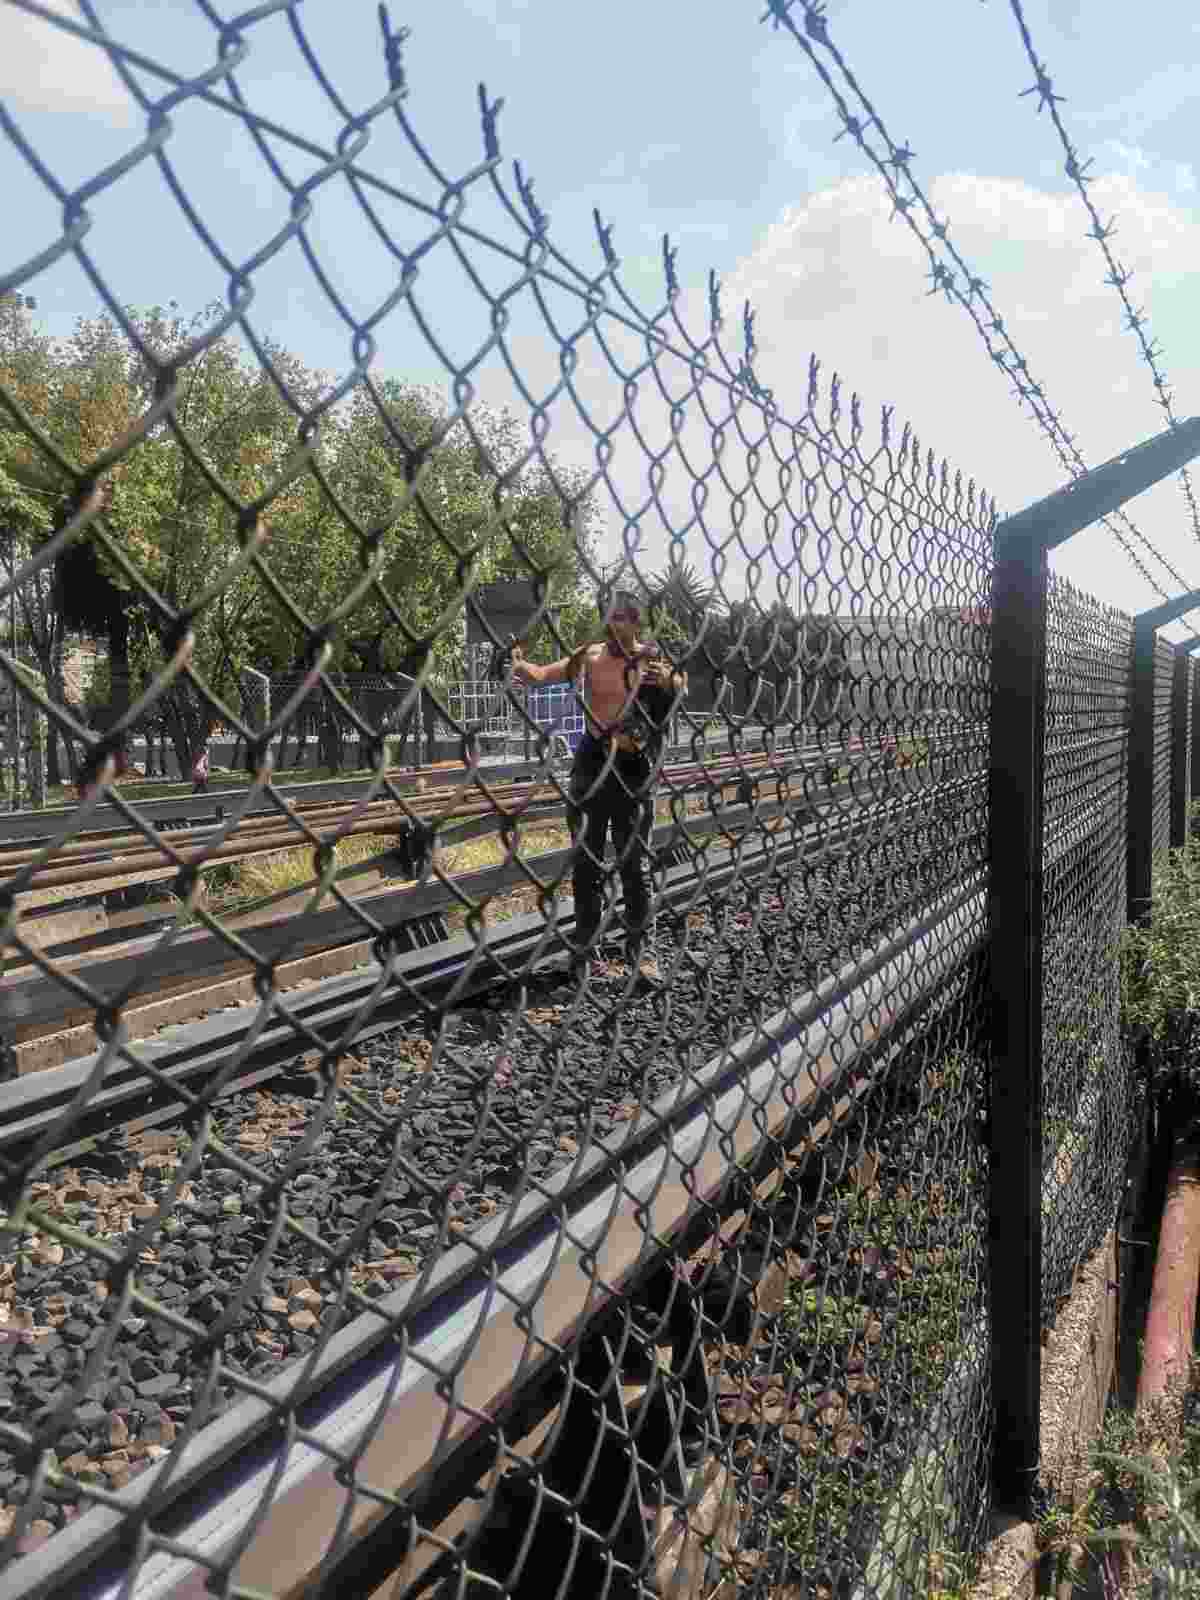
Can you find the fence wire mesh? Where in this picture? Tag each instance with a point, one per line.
(1182, 738)
(1087, 1104)
(1184, 778)
(617, 1225)
(1164, 671)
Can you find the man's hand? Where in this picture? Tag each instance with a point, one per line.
(661, 674)
(520, 667)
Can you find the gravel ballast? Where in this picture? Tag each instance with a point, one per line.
(426, 1132)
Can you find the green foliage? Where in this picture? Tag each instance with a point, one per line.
(886, 1212)
(776, 649)
(1160, 963)
(1139, 1494)
(450, 507)
(380, 513)
(679, 602)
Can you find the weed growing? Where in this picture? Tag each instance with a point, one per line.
(1133, 1532)
(1160, 967)
(876, 1353)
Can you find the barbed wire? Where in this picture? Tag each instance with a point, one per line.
(1118, 274)
(975, 298)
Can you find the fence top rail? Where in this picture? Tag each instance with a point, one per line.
(1059, 516)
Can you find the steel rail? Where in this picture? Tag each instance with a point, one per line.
(754, 1090)
(98, 868)
(29, 1105)
(28, 1000)
(89, 859)
(32, 1016)
(36, 1005)
(767, 1089)
(700, 749)
(32, 824)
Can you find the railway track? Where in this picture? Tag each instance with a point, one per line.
(169, 978)
(102, 863)
(34, 1005)
(150, 964)
(222, 1061)
(215, 804)
(439, 971)
(433, 1030)
(110, 820)
(97, 859)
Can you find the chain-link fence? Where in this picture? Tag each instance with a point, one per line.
(1087, 1088)
(613, 1220)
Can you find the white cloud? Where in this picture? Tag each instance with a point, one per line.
(45, 68)
(835, 278)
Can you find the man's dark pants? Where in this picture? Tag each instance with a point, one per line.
(621, 800)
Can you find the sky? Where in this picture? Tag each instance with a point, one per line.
(703, 123)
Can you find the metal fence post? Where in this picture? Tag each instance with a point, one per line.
(1016, 788)
(1181, 748)
(1186, 649)
(1140, 846)
(1017, 804)
(1139, 850)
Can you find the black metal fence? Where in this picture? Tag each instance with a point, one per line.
(1087, 1110)
(1164, 675)
(522, 1261)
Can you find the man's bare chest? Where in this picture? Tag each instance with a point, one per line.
(613, 678)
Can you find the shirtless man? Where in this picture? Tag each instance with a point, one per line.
(628, 693)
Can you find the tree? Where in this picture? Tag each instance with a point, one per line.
(823, 655)
(680, 603)
(77, 399)
(449, 508)
(391, 485)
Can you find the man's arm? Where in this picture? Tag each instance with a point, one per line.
(533, 673)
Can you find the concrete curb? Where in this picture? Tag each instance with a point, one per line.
(1078, 1362)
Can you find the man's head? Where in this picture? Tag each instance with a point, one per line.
(623, 617)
